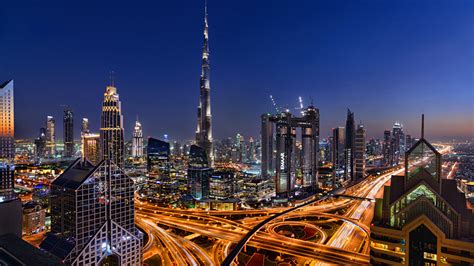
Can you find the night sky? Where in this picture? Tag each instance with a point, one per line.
(385, 60)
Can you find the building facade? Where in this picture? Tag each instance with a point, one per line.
(199, 172)
(337, 152)
(158, 157)
(68, 129)
(423, 218)
(137, 140)
(359, 152)
(91, 147)
(111, 128)
(204, 122)
(92, 216)
(41, 144)
(349, 146)
(50, 136)
(7, 121)
(287, 157)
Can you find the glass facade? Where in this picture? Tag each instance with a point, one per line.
(421, 160)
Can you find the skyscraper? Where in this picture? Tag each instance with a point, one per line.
(68, 126)
(288, 158)
(111, 128)
(387, 148)
(359, 152)
(92, 216)
(204, 126)
(85, 126)
(137, 141)
(50, 136)
(7, 121)
(338, 141)
(349, 146)
(423, 219)
(199, 172)
(40, 144)
(158, 157)
(266, 132)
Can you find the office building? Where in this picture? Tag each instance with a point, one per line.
(50, 136)
(338, 142)
(423, 218)
(111, 128)
(158, 158)
(7, 121)
(137, 140)
(221, 185)
(40, 144)
(68, 127)
(91, 147)
(268, 161)
(349, 146)
(204, 125)
(92, 216)
(199, 172)
(359, 152)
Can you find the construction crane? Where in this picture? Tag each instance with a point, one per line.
(274, 104)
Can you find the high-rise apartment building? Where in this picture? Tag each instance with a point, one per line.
(111, 128)
(137, 140)
(50, 136)
(204, 125)
(68, 127)
(92, 216)
(359, 152)
(7, 121)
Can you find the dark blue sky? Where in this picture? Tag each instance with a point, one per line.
(385, 60)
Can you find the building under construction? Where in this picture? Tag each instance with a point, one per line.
(282, 158)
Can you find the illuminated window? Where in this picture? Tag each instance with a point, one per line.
(430, 256)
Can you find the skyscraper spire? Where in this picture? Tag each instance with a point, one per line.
(204, 128)
(422, 126)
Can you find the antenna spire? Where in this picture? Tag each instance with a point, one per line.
(422, 126)
(112, 78)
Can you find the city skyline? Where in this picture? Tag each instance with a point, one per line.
(332, 75)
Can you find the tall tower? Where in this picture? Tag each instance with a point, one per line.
(7, 121)
(359, 152)
(68, 122)
(111, 127)
(204, 128)
(349, 146)
(137, 142)
(50, 136)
